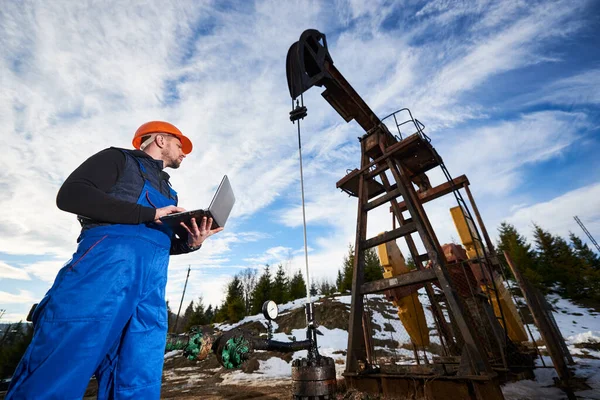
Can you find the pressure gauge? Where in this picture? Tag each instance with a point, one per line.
(270, 310)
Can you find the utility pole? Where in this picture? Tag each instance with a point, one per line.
(589, 235)
(182, 296)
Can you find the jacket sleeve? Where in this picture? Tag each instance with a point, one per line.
(85, 191)
(180, 246)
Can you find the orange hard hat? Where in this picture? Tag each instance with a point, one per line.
(161, 127)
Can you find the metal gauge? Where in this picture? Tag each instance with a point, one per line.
(270, 310)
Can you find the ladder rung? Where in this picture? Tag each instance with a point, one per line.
(389, 236)
(382, 200)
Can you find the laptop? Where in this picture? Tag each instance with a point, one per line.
(219, 210)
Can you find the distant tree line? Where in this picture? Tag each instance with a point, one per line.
(552, 263)
(14, 339)
(246, 292)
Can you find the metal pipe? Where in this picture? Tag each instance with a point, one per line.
(308, 301)
(283, 347)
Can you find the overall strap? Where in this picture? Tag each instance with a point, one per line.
(139, 163)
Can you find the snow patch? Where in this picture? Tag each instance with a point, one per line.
(584, 337)
(269, 372)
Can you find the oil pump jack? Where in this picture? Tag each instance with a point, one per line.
(480, 331)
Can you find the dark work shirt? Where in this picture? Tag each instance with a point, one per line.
(85, 193)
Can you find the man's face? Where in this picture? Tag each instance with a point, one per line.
(172, 152)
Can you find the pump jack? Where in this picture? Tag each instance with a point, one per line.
(471, 319)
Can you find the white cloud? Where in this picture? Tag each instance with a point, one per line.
(10, 272)
(46, 270)
(556, 215)
(23, 297)
(582, 88)
(494, 156)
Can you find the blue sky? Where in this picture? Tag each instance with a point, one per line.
(509, 92)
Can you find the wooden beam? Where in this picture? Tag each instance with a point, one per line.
(389, 236)
(410, 278)
(383, 199)
(439, 191)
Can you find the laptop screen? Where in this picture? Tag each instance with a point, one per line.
(222, 203)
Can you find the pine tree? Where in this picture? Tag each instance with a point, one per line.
(325, 288)
(347, 270)
(233, 308)
(313, 289)
(210, 314)
(410, 263)
(373, 270)
(583, 252)
(279, 290)
(520, 253)
(13, 343)
(183, 319)
(198, 316)
(339, 280)
(297, 286)
(262, 291)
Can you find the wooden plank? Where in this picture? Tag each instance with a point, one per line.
(381, 168)
(438, 191)
(389, 236)
(383, 199)
(410, 278)
(357, 352)
(551, 336)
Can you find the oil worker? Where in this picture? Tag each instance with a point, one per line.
(105, 314)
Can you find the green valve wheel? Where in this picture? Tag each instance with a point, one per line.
(234, 352)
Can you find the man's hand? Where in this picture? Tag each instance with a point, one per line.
(161, 212)
(197, 235)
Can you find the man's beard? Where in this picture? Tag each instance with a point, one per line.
(174, 163)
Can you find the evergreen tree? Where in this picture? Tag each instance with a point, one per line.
(297, 286)
(373, 270)
(339, 280)
(210, 314)
(313, 289)
(561, 268)
(583, 252)
(279, 290)
(198, 316)
(13, 343)
(233, 308)
(410, 263)
(183, 319)
(520, 253)
(347, 269)
(262, 291)
(325, 288)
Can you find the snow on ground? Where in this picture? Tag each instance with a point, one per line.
(270, 372)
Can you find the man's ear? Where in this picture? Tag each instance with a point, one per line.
(160, 141)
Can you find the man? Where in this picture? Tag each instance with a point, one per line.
(105, 313)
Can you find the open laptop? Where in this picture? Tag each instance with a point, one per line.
(219, 210)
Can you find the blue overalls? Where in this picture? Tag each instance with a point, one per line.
(105, 315)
